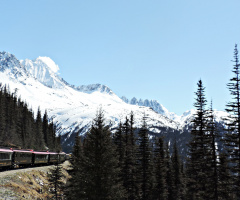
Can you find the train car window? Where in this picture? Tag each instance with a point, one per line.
(42, 156)
(5, 156)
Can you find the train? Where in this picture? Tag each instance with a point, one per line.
(17, 158)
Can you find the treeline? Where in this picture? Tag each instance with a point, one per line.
(20, 129)
(123, 165)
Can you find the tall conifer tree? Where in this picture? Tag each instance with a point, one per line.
(77, 186)
(198, 147)
(39, 140)
(101, 163)
(232, 137)
(160, 190)
(47, 139)
(146, 178)
(224, 178)
(212, 160)
(178, 185)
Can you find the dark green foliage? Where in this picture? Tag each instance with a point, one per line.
(178, 182)
(224, 178)
(160, 189)
(47, 137)
(145, 159)
(197, 164)
(39, 129)
(129, 167)
(76, 187)
(169, 176)
(119, 141)
(55, 182)
(19, 128)
(211, 157)
(100, 165)
(232, 136)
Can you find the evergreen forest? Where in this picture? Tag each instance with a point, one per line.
(20, 128)
(128, 164)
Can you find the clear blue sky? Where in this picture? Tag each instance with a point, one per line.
(151, 49)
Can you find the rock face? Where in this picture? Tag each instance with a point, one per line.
(154, 104)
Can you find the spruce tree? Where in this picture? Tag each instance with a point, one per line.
(212, 160)
(47, 139)
(178, 185)
(169, 175)
(130, 160)
(224, 178)
(39, 140)
(160, 189)
(101, 163)
(232, 137)
(76, 187)
(55, 181)
(2, 118)
(198, 148)
(118, 139)
(146, 178)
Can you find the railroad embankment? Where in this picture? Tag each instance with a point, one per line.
(28, 183)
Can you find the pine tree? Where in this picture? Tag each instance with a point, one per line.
(47, 139)
(169, 175)
(55, 181)
(146, 178)
(39, 140)
(101, 163)
(133, 160)
(178, 185)
(2, 118)
(232, 137)
(224, 178)
(76, 188)
(160, 190)
(212, 163)
(129, 167)
(198, 149)
(118, 139)
(52, 134)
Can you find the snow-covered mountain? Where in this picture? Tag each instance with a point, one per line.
(71, 107)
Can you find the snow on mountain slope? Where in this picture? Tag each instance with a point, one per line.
(184, 120)
(72, 108)
(44, 70)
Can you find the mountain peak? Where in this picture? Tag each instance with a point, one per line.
(44, 69)
(12, 66)
(49, 62)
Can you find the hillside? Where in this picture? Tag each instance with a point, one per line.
(29, 183)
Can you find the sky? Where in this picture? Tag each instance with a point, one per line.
(149, 49)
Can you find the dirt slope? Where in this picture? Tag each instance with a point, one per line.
(29, 183)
